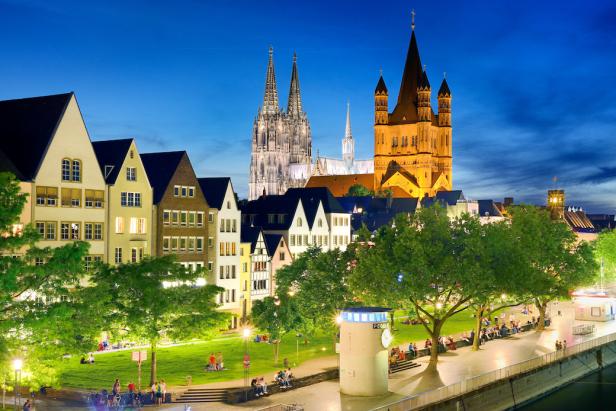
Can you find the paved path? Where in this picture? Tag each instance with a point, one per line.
(453, 367)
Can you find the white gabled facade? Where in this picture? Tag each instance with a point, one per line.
(340, 230)
(260, 276)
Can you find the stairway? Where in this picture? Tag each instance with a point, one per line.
(202, 395)
(403, 366)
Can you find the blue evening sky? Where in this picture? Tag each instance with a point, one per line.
(533, 81)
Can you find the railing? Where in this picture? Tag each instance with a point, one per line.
(474, 383)
(283, 407)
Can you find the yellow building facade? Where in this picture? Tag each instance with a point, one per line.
(412, 144)
(129, 194)
(245, 275)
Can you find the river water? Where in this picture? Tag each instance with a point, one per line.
(596, 392)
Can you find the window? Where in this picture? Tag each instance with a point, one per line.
(191, 191)
(210, 217)
(88, 231)
(183, 217)
(305, 239)
(119, 225)
(222, 248)
(233, 249)
(69, 231)
(227, 272)
(314, 239)
(130, 199)
(133, 255)
(175, 217)
(222, 225)
(166, 217)
(200, 215)
(76, 170)
(182, 243)
(233, 295)
(141, 226)
(38, 262)
(174, 243)
(192, 217)
(47, 196)
(209, 265)
(281, 256)
(271, 218)
(131, 174)
(228, 226)
(299, 239)
(299, 221)
(98, 231)
(166, 241)
(176, 191)
(66, 169)
(199, 242)
(245, 270)
(232, 271)
(210, 242)
(191, 244)
(71, 197)
(221, 271)
(94, 198)
(280, 218)
(292, 240)
(133, 225)
(47, 229)
(90, 260)
(320, 223)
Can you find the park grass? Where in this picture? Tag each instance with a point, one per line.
(175, 363)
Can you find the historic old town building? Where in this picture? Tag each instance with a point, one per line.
(129, 204)
(281, 141)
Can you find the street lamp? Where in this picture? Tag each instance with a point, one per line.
(246, 335)
(17, 365)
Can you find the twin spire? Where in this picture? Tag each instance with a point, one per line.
(270, 99)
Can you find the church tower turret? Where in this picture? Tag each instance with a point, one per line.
(424, 110)
(444, 105)
(380, 102)
(348, 145)
(270, 98)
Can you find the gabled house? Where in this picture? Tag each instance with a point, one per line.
(223, 243)
(45, 143)
(260, 263)
(179, 208)
(129, 194)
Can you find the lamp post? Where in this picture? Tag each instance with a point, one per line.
(246, 335)
(17, 365)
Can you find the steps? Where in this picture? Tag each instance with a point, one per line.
(202, 395)
(403, 366)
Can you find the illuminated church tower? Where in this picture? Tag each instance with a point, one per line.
(412, 144)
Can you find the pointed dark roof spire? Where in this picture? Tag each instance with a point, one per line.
(381, 88)
(444, 90)
(294, 107)
(406, 108)
(424, 84)
(270, 99)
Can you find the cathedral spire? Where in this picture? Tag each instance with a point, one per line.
(294, 107)
(270, 99)
(347, 129)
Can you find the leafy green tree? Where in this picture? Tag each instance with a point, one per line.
(605, 250)
(553, 260)
(358, 190)
(313, 275)
(154, 299)
(424, 259)
(277, 316)
(37, 315)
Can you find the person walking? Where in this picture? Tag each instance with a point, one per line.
(163, 388)
(27, 406)
(159, 394)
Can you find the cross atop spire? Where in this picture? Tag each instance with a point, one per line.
(413, 19)
(294, 106)
(270, 99)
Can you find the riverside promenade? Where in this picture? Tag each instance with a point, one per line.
(453, 367)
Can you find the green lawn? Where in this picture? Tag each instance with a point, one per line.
(175, 363)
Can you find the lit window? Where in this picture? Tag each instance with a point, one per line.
(133, 225)
(131, 173)
(66, 170)
(119, 225)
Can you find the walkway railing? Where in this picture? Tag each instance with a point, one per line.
(474, 383)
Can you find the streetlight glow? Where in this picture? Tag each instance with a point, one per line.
(246, 332)
(439, 306)
(339, 319)
(503, 296)
(18, 364)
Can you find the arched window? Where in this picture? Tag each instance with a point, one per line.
(299, 221)
(66, 169)
(76, 170)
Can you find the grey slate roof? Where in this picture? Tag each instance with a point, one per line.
(214, 190)
(271, 242)
(111, 153)
(160, 168)
(27, 126)
(250, 234)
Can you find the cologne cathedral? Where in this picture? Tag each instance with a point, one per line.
(281, 141)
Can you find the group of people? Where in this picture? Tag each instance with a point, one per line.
(89, 360)
(215, 362)
(259, 386)
(561, 345)
(395, 355)
(283, 378)
(261, 338)
(158, 392)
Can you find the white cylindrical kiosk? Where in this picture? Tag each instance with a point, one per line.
(364, 338)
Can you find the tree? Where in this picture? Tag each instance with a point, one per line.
(501, 277)
(37, 315)
(156, 298)
(358, 190)
(424, 259)
(313, 275)
(554, 262)
(277, 316)
(605, 251)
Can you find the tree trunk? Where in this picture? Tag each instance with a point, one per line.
(541, 307)
(392, 319)
(479, 314)
(153, 364)
(434, 349)
(276, 351)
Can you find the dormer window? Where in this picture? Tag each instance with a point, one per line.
(71, 170)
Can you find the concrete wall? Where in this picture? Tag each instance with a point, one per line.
(513, 392)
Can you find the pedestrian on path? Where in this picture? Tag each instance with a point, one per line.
(163, 387)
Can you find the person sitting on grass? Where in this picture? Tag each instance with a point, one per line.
(212, 363)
